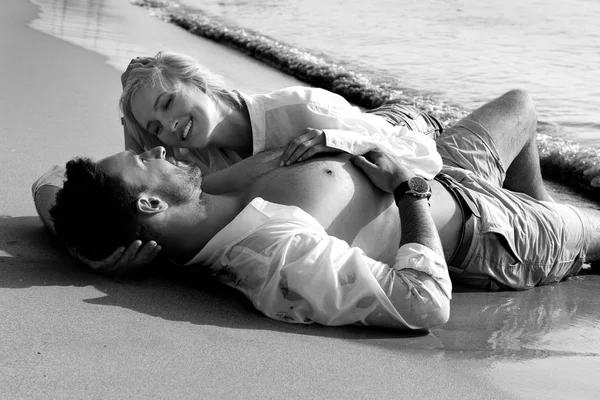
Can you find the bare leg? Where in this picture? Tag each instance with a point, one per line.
(511, 120)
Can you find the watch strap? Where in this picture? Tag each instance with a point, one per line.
(401, 190)
(404, 189)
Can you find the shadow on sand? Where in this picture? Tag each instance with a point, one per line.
(513, 325)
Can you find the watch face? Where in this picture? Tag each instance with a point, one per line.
(418, 185)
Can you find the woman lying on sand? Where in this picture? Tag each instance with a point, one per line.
(173, 101)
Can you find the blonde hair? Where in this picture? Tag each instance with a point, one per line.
(170, 70)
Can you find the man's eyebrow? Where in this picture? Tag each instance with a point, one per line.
(131, 153)
(136, 157)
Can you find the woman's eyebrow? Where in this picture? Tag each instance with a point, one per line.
(155, 106)
(154, 109)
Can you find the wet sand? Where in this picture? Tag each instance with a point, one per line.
(66, 333)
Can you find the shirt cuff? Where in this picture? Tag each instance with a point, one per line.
(55, 176)
(348, 141)
(423, 259)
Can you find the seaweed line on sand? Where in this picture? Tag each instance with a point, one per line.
(560, 159)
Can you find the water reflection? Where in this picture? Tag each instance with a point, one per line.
(556, 320)
(91, 24)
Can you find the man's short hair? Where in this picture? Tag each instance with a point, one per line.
(94, 213)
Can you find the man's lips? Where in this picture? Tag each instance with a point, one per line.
(172, 160)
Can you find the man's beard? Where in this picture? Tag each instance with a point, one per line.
(187, 178)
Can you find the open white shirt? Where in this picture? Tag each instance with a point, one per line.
(284, 261)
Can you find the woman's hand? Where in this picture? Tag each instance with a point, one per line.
(384, 170)
(123, 261)
(304, 147)
(133, 64)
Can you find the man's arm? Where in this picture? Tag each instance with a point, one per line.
(44, 191)
(417, 224)
(292, 270)
(295, 272)
(387, 172)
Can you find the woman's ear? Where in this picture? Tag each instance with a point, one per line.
(151, 205)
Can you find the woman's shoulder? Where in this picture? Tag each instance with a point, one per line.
(298, 95)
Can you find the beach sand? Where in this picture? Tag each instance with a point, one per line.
(67, 333)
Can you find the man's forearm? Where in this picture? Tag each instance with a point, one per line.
(417, 225)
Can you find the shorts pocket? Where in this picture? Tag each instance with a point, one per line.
(501, 238)
(511, 257)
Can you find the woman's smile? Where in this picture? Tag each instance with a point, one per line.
(186, 130)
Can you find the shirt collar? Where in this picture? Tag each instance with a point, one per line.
(255, 214)
(256, 111)
(247, 220)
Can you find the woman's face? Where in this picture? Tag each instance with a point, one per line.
(185, 118)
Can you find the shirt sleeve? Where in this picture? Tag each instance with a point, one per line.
(358, 132)
(308, 278)
(51, 182)
(346, 128)
(418, 151)
(55, 176)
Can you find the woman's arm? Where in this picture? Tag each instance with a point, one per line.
(309, 121)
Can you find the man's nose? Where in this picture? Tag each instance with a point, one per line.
(157, 152)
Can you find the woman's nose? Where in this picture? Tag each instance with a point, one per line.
(170, 123)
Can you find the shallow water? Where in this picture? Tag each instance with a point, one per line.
(462, 50)
(92, 24)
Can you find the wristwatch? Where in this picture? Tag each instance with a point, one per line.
(415, 186)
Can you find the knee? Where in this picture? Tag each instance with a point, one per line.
(523, 106)
(519, 96)
(522, 103)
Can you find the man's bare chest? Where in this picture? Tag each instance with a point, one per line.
(331, 190)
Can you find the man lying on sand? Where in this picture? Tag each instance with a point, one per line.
(341, 240)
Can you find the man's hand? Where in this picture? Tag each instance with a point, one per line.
(133, 64)
(385, 170)
(123, 261)
(303, 147)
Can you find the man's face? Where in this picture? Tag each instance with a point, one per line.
(179, 182)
